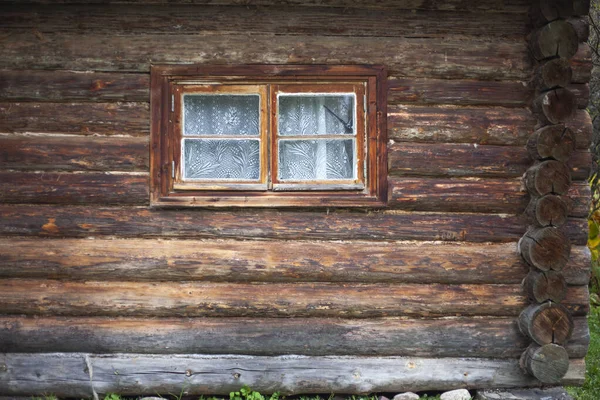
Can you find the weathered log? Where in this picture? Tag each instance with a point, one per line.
(545, 248)
(431, 57)
(555, 39)
(582, 94)
(581, 7)
(581, 26)
(548, 177)
(548, 363)
(278, 19)
(555, 106)
(475, 195)
(468, 160)
(76, 118)
(545, 286)
(62, 86)
(253, 261)
(459, 92)
(553, 141)
(135, 374)
(481, 125)
(79, 221)
(544, 11)
(548, 210)
(74, 188)
(553, 73)
(581, 63)
(72, 153)
(202, 299)
(446, 337)
(546, 323)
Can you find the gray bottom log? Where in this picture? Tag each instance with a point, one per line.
(80, 374)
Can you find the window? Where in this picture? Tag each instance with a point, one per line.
(268, 136)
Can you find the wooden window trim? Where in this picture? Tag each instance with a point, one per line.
(164, 190)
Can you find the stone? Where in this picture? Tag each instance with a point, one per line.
(556, 393)
(458, 394)
(406, 396)
(383, 398)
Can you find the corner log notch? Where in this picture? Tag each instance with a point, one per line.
(545, 248)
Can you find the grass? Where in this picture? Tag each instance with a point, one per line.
(591, 388)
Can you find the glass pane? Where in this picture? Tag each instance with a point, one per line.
(321, 159)
(316, 114)
(221, 114)
(221, 159)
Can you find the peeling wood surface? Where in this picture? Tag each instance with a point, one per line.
(79, 221)
(251, 19)
(201, 299)
(74, 188)
(259, 261)
(74, 153)
(474, 195)
(469, 337)
(449, 59)
(131, 374)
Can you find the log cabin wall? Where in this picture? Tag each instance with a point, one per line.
(99, 293)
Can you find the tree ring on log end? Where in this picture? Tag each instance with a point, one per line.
(548, 210)
(553, 73)
(546, 286)
(548, 363)
(545, 248)
(555, 106)
(552, 142)
(546, 323)
(548, 177)
(555, 39)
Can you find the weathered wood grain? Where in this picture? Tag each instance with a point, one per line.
(547, 323)
(74, 188)
(447, 337)
(581, 63)
(80, 221)
(247, 18)
(61, 86)
(548, 210)
(582, 94)
(548, 363)
(546, 286)
(474, 195)
(556, 38)
(556, 106)
(257, 261)
(468, 160)
(481, 125)
(461, 92)
(545, 248)
(552, 141)
(552, 73)
(76, 118)
(133, 374)
(73, 153)
(202, 299)
(448, 59)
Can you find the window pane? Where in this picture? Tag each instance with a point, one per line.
(316, 114)
(221, 114)
(320, 159)
(221, 159)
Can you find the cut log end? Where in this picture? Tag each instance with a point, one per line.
(545, 248)
(553, 73)
(548, 210)
(546, 323)
(548, 177)
(552, 142)
(548, 363)
(555, 39)
(555, 106)
(544, 11)
(546, 286)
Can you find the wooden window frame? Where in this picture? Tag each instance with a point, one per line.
(169, 82)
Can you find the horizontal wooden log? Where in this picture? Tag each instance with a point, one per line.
(581, 63)
(545, 248)
(553, 141)
(467, 160)
(134, 374)
(548, 177)
(76, 118)
(294, 261)
(581, 26)
(548, 210)
(447, 59)
(73, 153)
(74, 188)
(481, 125)
(546, 286)
(447, 337)
(201, 299)
(474, 195)
(80, 221)
(277, 19)
(61, 86)
(582, 94)
(462, 92)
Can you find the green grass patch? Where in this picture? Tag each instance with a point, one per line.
(591, 387)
